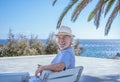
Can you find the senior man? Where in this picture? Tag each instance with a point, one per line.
(65, 59)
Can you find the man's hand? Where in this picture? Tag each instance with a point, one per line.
(39, 71)
(53, 67)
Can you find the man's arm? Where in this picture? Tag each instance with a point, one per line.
(53, 67)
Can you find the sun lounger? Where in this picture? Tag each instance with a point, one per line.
(14, 77)
(69, 75)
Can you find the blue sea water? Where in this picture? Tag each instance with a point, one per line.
(95, 48)
(100, 48)
(3, 41)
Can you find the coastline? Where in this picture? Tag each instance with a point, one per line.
(95, 69)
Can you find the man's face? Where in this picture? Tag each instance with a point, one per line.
(64, 41)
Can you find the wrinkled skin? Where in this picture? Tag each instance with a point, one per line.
(64, 41)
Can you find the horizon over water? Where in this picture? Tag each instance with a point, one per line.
(100, 48)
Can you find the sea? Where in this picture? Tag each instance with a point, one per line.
(100, 48)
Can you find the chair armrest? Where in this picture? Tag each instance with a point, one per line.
(14, 77)
(69, 73)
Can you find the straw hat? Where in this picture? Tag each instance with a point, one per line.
(64, 30)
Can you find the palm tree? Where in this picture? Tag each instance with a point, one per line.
(102, 5)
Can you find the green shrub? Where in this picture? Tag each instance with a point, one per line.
(51, 46)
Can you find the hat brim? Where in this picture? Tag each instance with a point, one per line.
(64, 33)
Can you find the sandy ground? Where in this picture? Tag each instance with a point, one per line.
(95, 69)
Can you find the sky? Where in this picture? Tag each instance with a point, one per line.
(39, 17)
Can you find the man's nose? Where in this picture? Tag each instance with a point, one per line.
(61, 39)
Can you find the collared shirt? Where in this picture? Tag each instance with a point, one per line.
(67, 57)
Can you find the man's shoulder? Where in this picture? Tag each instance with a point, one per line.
(68, 51)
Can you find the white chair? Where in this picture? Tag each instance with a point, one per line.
(69, 75)
(14, 77)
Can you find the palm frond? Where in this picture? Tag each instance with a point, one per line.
(111, 18)
(96, 13)
(64, 12)
(110, 3)
(97, 18)
(54, 2)
(78, 9)
(92, 14)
